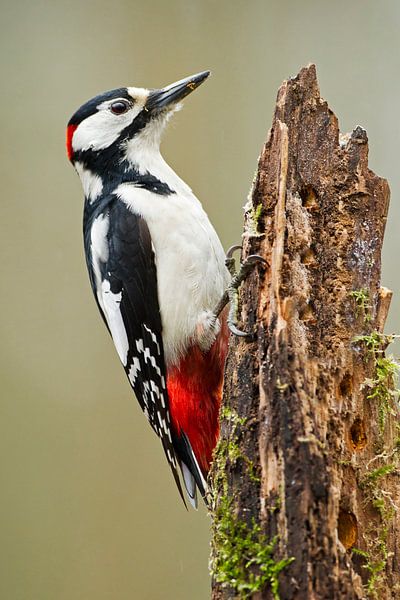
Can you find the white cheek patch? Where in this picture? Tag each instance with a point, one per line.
(102, 129)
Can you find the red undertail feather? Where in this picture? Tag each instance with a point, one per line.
(195, 392)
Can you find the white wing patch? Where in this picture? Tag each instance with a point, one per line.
(112, 312)
(99, 250)
(109, 302)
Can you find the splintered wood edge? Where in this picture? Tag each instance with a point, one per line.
(384, 299)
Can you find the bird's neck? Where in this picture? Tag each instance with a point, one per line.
(142, 166)
(150, 162)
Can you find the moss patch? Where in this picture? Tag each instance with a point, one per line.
(363, 305)
(243, 556)
(381, 386)
(254, 220)
(381, 389)
(375, 538)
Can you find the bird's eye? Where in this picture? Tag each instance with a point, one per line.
(119, 107)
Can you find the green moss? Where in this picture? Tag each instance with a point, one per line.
(229, 449)
(231, 415)
(386, 370)
(232, 450)
(254, 219)
(382, 502)
(372, 476)
(277, 504)
(252, 471)
(243, 556)
(381, 389)
(362, 300)
(226, 450)
(375, 342)
(377, 554)
(258, 213)
(375, 569)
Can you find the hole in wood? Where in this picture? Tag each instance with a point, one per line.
(309, 198)
(357, 434)
(308, 257)
(347, 529)
(306, 314)
(346, 385)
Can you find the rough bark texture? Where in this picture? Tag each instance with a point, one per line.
(309, 447)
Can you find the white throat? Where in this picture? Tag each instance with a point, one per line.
(143, 153)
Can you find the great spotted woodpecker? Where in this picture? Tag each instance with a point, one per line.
(157, 269)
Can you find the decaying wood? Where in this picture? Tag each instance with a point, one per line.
(308, 446)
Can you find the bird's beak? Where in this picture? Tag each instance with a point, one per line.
(160, 99)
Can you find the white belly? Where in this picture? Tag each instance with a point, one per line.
(190, 260)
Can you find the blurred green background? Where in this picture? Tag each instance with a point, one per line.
(89, 510)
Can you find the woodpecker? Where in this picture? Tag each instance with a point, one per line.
(157, 269)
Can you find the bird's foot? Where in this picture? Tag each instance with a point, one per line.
(231, 294)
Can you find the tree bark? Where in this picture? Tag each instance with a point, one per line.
(305, 479)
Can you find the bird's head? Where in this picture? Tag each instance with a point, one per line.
(113, 129)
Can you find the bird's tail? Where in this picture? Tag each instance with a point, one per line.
(192, 475)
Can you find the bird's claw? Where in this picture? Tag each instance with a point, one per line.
(230, 261)
(231, 294)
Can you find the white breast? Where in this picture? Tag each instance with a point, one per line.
(190, 259)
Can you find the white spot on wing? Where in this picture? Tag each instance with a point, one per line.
(153, 337)
(114, 319)
(134, 370)
(155, 389)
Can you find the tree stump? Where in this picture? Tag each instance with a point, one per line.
(305, 479)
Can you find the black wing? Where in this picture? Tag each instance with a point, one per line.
(124, 280)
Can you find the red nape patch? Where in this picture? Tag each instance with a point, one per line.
(195, 392)
(70, 133)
